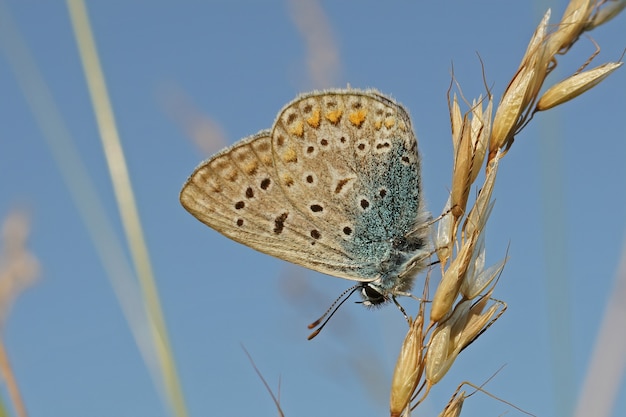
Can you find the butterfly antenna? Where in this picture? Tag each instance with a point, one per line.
(331, 311)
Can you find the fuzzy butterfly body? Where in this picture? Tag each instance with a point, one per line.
(334, 186)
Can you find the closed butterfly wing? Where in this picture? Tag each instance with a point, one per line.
(334, 187)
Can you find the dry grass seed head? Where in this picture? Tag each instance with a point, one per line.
(476, 321)
(473, 285)
(573, 23)
(515, 98)
(481, 130)
(606, 13)
(456, 328)
(437, 356)
(444, 234)
(477, 218)
(461, 171)
(454, 406)
(441, 346)
(448, 288)
(515, 108)
(575, 85)
(510, 111)
(476, 266)
(456, 122)
(409, 368)
(442, 351)
(19, 269)
(466, 323)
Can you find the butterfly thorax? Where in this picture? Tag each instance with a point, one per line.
(407, 257)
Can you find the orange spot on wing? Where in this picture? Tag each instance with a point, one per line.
(358, 117)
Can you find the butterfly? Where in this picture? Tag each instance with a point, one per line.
(334, 186)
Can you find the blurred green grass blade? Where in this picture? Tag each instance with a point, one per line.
(125, 199)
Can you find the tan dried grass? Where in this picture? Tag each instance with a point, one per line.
(462, 306)
(19, 269)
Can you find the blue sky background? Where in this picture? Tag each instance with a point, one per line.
(237, 63)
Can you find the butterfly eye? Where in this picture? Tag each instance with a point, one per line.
(372, 296)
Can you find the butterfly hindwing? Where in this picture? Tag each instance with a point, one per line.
(236, 192)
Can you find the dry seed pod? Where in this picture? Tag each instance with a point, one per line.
(539, 36)
(448, 288)
(575, 85)
(444, 234)
(521, 89)
(480, 132)
(457, 321)
(409, 368)
(607, 13)
(461, 172)
(473, 286)
(510, 110)
(478, 215)
(476, 265)
(572, 24)
(437, 357)
(456, 123)
(453, 408)
(475, 224)
(476, 325)
(478, 322)
(441, 347)
(542, 63)
(466, 317)
(464, 325)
